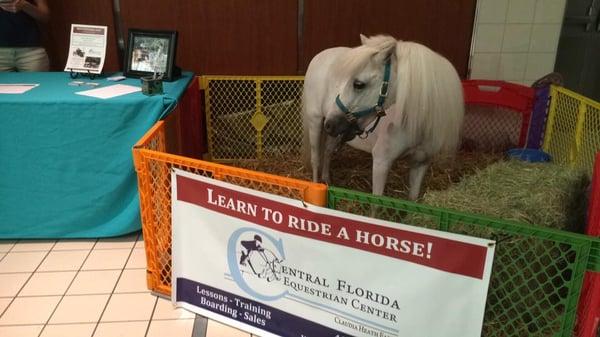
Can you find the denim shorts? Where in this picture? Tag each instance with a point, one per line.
(24, 59)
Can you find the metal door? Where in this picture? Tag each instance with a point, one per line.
(578, 58)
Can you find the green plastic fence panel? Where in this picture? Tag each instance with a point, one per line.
(537, 273)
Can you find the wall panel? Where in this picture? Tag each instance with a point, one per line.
(224, 36)
(245, 37)
(57, 32)
(444, 26)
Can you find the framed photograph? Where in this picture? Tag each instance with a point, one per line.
(150, 52)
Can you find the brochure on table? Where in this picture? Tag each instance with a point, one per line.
(16, 88)
(110, 91)
(87, 49)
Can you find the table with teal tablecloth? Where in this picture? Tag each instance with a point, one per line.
(66, 168)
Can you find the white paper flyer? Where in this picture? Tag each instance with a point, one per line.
(87, 49)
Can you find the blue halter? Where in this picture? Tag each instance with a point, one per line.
(353, 116)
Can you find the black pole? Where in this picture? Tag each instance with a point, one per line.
(119, 32)
(300, 38)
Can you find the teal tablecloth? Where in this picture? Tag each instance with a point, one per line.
(66, 168)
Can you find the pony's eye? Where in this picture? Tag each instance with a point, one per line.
(358, 85)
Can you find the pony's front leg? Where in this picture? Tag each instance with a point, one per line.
(381, 169)
(331, 143)
(416, 175)
(419, 163)
(314, 136)
(385, 151)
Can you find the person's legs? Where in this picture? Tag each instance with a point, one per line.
(7, 59)
(32, 59)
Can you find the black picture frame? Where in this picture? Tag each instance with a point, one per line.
(150, 52)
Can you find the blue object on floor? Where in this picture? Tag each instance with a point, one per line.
(530, 155)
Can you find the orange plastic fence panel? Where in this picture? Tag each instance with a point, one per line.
(153, 166)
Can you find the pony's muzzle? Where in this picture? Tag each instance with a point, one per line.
(337, 125)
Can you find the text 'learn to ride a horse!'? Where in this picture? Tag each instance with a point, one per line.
(297, 223)
(396, 241)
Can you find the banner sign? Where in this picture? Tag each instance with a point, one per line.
(275, 266)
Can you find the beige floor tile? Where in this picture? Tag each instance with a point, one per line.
(178, 327)
(4, 302)
(63, 260)
(106, 259)
(6, 245)
(21, 261)
(20, 331)
(33, 245)
(137, 259)
(79, 309)
(2, 255)
(129, 307)
(75, 244)
(127, 241)
(132, 281)
(165, 310)
(45, 284)
(122, 329)
(10, 284)
(94, 282)
(69, 330)
(216, 329)
(29, 310)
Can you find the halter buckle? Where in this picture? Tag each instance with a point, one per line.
(383, 91)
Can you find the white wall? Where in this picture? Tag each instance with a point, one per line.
(515, 40)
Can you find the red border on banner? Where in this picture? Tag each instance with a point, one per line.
(440, 253)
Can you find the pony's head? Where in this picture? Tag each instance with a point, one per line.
(366, 77)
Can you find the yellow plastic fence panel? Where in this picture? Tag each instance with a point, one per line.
(153, 166)
(252, 117)
(573, 129)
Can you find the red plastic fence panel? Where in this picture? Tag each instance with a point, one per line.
(499, 93)
(515, 97)
(192, 122)
(593, 226)
(588, 313)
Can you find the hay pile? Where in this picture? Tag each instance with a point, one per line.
(529, 272)
(545, 194)
(351, 168)
(548, 195)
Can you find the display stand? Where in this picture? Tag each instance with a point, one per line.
(88, 74)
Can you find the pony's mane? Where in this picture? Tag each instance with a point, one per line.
(429, 98)
(356, 58)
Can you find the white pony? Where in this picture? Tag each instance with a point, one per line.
(391, 98)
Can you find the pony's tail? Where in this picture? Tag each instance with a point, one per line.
(430, 99)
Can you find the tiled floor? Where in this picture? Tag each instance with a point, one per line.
(83, 288)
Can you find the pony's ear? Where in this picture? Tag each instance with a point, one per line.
(363, 39)
(388, 50)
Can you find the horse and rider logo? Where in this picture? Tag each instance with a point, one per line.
(254, 259)
(257, 258)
